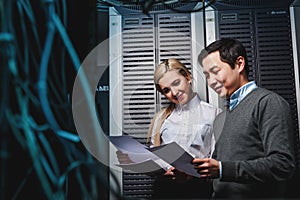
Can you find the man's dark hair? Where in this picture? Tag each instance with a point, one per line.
(230, 49)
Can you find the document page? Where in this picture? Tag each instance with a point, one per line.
(147, 159)
(176, 156)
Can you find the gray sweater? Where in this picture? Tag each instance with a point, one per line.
(255, 146)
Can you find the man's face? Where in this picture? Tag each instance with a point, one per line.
(220, 76)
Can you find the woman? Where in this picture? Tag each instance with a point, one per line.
(187, 121)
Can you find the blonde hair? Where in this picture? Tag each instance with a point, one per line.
(161, 69)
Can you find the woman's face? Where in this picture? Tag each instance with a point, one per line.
(176, 87)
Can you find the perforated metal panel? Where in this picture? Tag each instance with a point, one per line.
(239, 25)
(148, 40)
(274, 50)
(139, 95)
(266, 34)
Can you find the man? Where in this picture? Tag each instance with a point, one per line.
(254, 152)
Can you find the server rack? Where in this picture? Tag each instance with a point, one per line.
(144, 41)
(263, 26)
(268, 30)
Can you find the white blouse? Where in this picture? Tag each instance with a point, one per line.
(190, 126)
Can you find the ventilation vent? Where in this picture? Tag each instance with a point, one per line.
(275, 61)
(239, 25)
(174, 37)
(139, 93)
(137, 186)
(148, 40)
(274, 47)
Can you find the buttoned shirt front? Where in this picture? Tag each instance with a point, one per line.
(190, 126)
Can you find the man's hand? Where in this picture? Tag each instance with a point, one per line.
(207, 167)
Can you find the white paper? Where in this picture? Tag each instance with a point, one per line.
(145, 159)
(135, 150)
(176, 156)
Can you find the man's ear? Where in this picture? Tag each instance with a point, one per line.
(240, 62)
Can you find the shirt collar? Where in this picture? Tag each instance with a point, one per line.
(240, 94)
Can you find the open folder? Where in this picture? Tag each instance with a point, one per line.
(147, 160)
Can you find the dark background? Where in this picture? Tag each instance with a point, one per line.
(38, 161)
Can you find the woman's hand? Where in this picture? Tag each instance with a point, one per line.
(170, 172)
(207, 167)
(123, 158)
(178, 175)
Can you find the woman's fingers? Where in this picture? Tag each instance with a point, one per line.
(123, 158)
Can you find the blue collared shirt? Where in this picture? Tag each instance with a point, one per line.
(240, 94)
